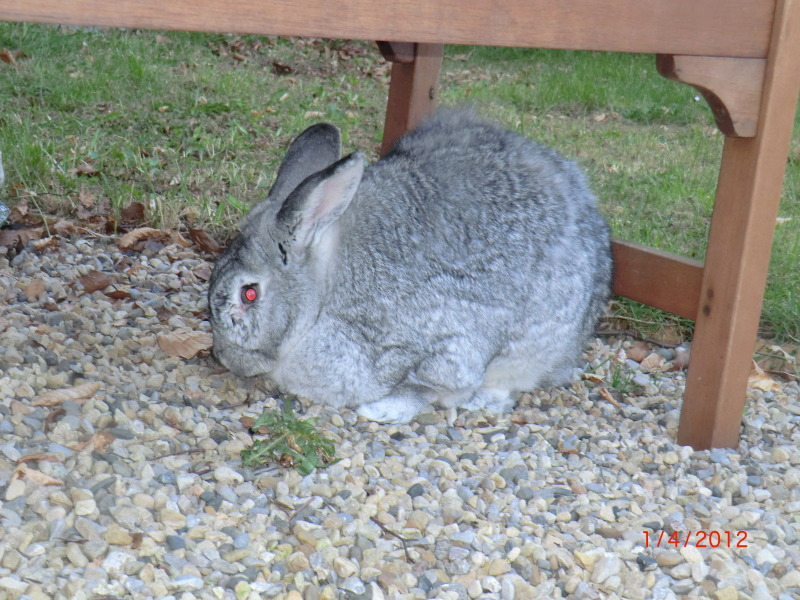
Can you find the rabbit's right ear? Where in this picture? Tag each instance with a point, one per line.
(317, 203)
(317, 148)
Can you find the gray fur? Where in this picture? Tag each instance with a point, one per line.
(468, 264)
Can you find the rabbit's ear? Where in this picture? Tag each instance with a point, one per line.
(318, 202)
(317, 148)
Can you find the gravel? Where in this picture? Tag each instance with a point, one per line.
(137, 490)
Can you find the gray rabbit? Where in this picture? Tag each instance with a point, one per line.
(466, 265)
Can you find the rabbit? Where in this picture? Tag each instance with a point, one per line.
(465, 266)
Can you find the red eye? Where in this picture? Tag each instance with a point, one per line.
(249, 294)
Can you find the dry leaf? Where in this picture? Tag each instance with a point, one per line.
(62, 227)
(205, 242)
(8, 57)
(118, 293)
(24, 472)
(102, 440)
(761, 381)
(38, 457)
(281, 69)
(133, 213)
(606, 395)
(79, 446)
(202, 272)
(95, 280)
(34, 289)
(130, 239)
(86, 198)
(87, 170)
(47, 242)
(77, 393)
(185, 344)
(9, 238)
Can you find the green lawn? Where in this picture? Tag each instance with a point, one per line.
(193, 126)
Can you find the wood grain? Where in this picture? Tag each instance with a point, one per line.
(731, 86)
(666, 281)
(696, 27)
(413, 92)
(738, 254)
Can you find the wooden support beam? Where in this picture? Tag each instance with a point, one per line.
(731, 86)
(667, 281)
(412, 92)
(696, 27)
(402, 52)
(740, 240)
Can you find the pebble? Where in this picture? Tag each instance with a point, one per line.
(551, 501)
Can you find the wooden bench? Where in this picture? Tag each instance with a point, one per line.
(743, 55)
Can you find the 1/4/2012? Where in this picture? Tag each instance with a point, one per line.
(702, 539)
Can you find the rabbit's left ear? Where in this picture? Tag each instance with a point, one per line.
(318, 202)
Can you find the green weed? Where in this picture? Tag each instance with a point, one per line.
(289, 441)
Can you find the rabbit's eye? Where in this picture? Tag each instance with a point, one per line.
(249, 294)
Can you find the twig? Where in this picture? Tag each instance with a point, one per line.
(388, 531)
(299, 510)
(178, 453)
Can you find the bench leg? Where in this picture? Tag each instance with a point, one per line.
(412, 92)
(737, 259)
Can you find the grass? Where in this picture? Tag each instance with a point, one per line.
(194, 125)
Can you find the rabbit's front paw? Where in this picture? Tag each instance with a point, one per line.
(491, 400)
(392, 409)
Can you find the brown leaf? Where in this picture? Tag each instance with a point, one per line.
(606, 395)
(62, 227)
(202, 272)
(132, 238)
(79, 446)
(247, 422)
(38, 457)
(102, 440)
(43, 243)
(281, 69)
(86, 198)
(118, 293)
(77, 393)
(652, 362)
(9, 238)
(8, 57)
(34, 289)
(761, 381)
(86, 170)
(133, 213)
(185, 344)
(24, 472)
(95, 280)
(204, 241)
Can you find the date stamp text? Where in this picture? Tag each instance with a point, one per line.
(698, 539)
